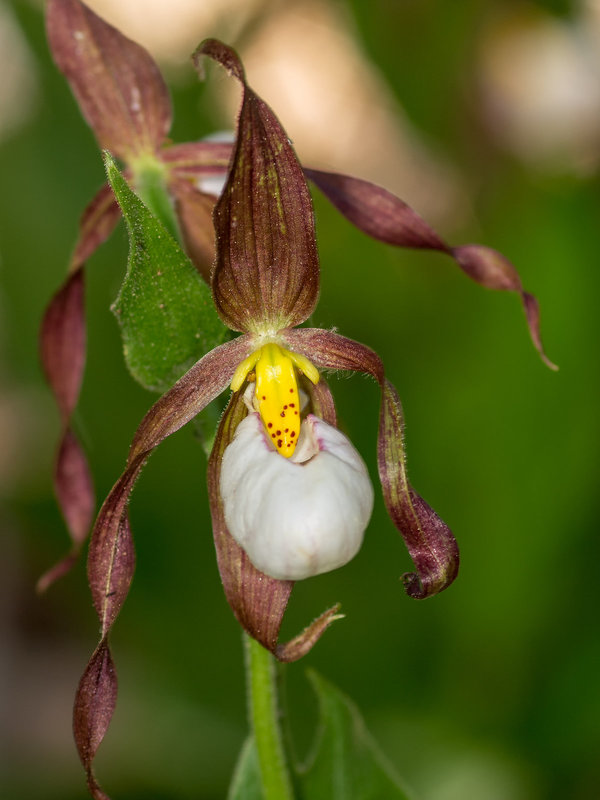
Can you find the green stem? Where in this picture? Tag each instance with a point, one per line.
(262, 696)
(151, 187)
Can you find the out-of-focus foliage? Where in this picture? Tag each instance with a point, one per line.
(502, 700)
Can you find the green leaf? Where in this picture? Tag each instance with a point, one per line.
(165, 310)
(347, 763)
(246, 781)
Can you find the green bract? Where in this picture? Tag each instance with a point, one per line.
(164, 308)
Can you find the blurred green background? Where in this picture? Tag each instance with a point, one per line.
(489, 691)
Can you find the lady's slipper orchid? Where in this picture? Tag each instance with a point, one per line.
(289, 495)
(125, 101)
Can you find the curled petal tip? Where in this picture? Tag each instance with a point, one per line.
(218, 51)
(412, 585)
(301, 644)
(532, 313)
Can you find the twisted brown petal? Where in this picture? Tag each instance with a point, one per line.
(197, 159)
(111, 559)
(429, 540)
(94, 706)
(194, 213)
(266, 272)
(119, 88)
(97, 222)
(62, 347)
(385, 217)
(257, 600)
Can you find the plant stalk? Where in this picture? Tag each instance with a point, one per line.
(263, 710)
(151, 187)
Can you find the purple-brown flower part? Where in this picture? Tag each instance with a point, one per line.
(428, 539)
(96, 224)
(266, 274)
(385, 217)
(111, 559)
(118, 86)
(193, 160)
(94, 706)
(125, 100)
(194, 213)
(62, 346)
(257, 600)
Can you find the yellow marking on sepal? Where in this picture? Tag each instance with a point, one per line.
(277, 397)
(242, 370)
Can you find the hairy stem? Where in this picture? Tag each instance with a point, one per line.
(262, 697)
(151, 187)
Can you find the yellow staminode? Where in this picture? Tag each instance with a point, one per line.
(277, 391)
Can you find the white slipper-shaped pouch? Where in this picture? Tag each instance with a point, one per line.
(300, 516)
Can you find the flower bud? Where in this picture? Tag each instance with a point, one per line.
(300, 516)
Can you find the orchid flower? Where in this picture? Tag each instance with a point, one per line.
(125, 101)
(289, 495)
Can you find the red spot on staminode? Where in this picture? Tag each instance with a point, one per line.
(293, 433)
(287, 430)
(296, 413)
(284, 408)
(279, 442)
(269, 425)
(289, 444)
(292, 405)
(282, 414)
(291, 391)
(264, 397)
(273, 436)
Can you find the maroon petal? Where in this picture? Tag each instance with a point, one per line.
(118, 86)
(257, 600)
(74, 488)
(62, 346)
(267, 270)
(385, 217)
(111, 558)
(95, 226)
(194, 213)
(62, 343)
(429, 540)
(192, 393)
(491, 269)
(94, 706)
(197, 159)
(321, 401)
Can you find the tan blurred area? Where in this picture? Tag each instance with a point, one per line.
(539, 86)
